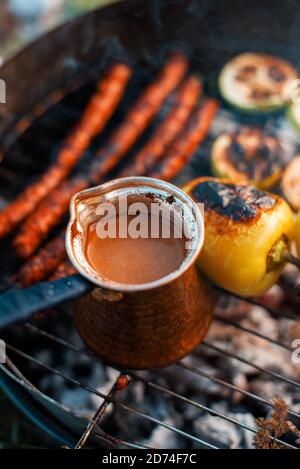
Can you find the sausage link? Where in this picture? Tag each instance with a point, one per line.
(52, 209)
(64, 269)
(168, 130)
(186, 143)
(44, 262)
(95, 116)
(48, 213)
(139, 117)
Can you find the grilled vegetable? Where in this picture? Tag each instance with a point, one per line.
(248, 156)
(290, 184)
(247, 234)
(255, 82)
(294, 115)
(297, 234)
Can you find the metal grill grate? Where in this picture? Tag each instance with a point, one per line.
(48, 128)
(130, 378)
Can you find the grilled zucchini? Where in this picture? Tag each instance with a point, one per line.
(256, 82)
(248, 156)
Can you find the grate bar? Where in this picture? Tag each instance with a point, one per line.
(195, 403)
(12, 367)
(105, 437)
(253, 332)
(272, 311)
(91, 390)
(30, 387)
(250, 363)
(99, 414)
(40, 108)
(90, 354)
(203, 407)
(138, 413)
(119, 441)
(161, 388)
(231, 386)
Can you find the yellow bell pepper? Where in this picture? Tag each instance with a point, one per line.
(297, 234)
(247, 234)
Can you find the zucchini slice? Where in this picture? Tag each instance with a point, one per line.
(294, 115)
(256, 82)
(290, 184)
(250, 156)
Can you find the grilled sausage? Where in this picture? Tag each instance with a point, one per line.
(139, 117)
(64, 269)
(48, 213)
(95, 116)
(44, 262)
(51, 210)
(185, 145)
(167, 131)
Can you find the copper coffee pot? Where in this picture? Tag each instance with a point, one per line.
(148, 325)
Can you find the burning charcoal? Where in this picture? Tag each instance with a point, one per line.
(222, 433)
(273, 298)
(232, 308)
(290, 276)
(260, 320)
(251, 348)
(239, 380)
(270, 389)
(104, 387)
(194, 384)
(217, 431)
(163, 438)
(77, 399)
(289, 330)
(266, 356)
(147, 401)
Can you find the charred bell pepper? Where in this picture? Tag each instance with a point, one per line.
(247, 234)
(249, 156)
(297, 234)
(257, 82)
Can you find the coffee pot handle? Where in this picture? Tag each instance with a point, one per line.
(18, 305)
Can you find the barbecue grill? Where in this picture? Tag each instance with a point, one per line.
(140, 409)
